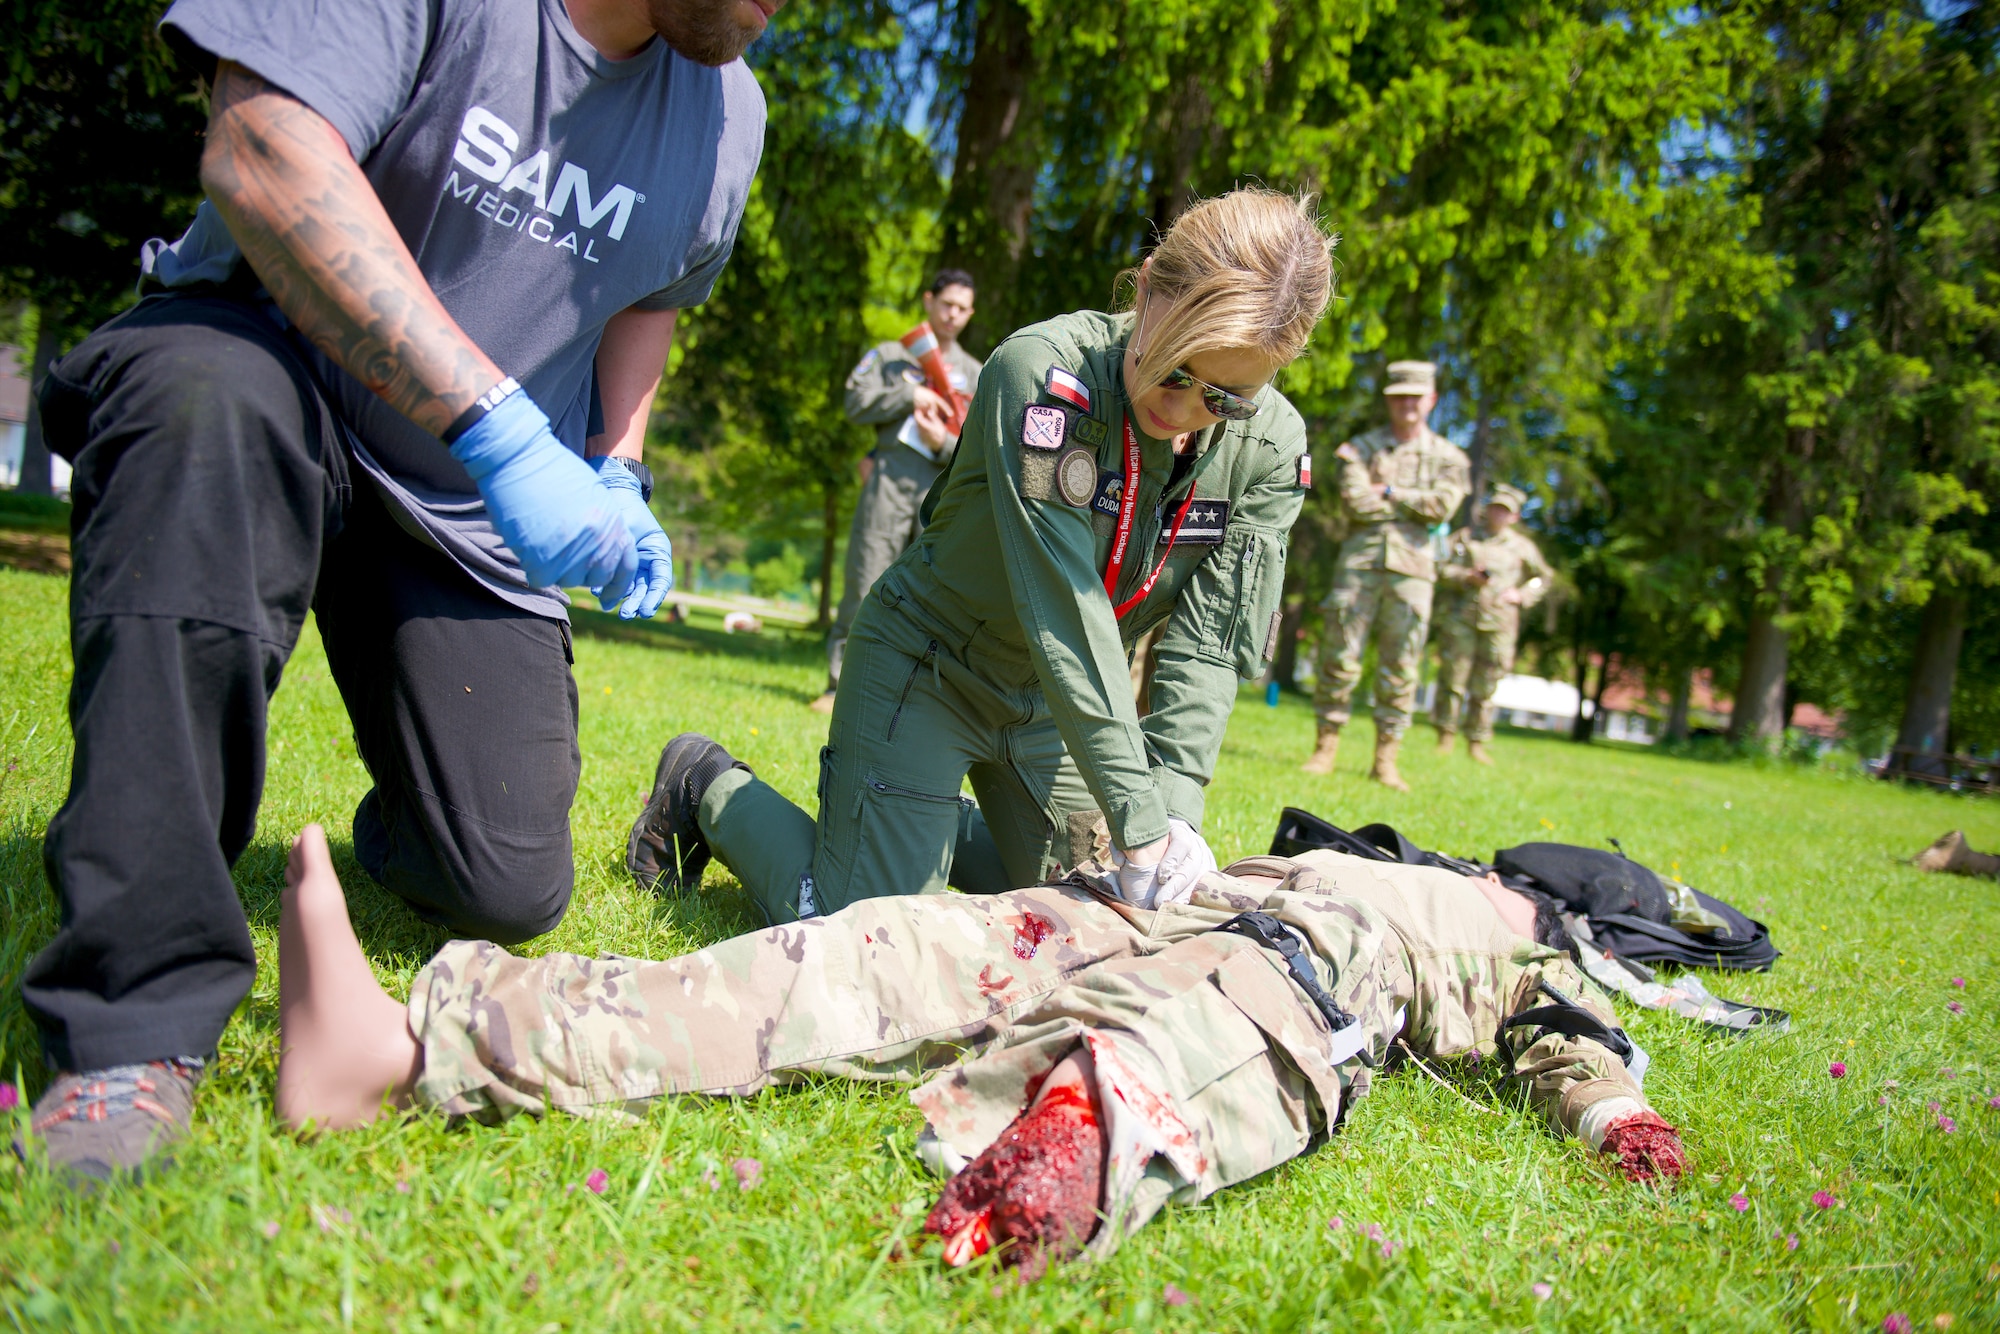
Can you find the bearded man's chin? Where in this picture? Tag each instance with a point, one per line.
(705, 31)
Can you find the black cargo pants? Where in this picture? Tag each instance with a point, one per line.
(213, 504)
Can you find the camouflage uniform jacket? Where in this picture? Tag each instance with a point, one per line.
(882, 392)
(1008, 576)
(1510, 559)
(1212, 1062)
(1428, 478)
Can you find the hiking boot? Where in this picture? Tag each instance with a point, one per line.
(666, 853)
(1445, 739)
(95, 1125)
(824, 704)
(1323, 753)
(1953, 854)
(1384, 771)
(1480, 755)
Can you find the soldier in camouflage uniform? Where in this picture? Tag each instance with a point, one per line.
(1395, 483)
(887, 390)
(1230, 1040)
(1492, 573)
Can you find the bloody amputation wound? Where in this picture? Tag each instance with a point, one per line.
(1646, 1147)
(1034, 1192)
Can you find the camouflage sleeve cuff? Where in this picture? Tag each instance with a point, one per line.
(1185, 798)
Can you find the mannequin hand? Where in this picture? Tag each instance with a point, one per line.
(654, 578)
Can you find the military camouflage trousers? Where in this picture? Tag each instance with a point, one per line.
(1395, 609)
(1470, 665)
(1212, 1062)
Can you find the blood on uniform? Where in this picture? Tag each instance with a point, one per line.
(1030, 934)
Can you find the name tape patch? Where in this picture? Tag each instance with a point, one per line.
(1110, 491)
(1044, 427)
(1205, 523)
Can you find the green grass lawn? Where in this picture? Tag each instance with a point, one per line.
(411, 1225)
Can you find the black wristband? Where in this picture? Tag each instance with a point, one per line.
(482, 405)
(640, 471)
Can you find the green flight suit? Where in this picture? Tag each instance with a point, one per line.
(1383, 579)
(990, 649)
(881, 391)
(1222, 1067)
(1476, 628)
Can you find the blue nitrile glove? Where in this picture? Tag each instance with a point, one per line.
(545, 500)
(655, 578)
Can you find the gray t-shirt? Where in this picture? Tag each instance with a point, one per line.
(541, 187)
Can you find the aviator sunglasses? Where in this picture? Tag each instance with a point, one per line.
(1220, 402)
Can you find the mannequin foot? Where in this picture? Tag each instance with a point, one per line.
(1479, 753)
(345, 1048)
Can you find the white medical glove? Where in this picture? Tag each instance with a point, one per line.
(1187, 859)
(1136, 877)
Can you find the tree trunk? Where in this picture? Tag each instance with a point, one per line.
(1926, 728)
(1758, 717)
(1480, 453)
(37, 475)
(1579, 727)
(986, 214)
(829, 518)
(1604, 670)
(1677, 712)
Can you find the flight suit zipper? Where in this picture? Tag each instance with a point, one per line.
(891, 790)
(910, 683)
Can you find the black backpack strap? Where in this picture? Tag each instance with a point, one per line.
(1272, 934)
(1568, 1018)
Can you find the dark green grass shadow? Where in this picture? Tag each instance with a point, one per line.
(772, 645)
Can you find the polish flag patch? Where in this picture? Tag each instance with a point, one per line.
(1068, 388)
(1306, 471)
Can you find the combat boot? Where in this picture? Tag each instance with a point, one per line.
(1384, 771)
(1480, 755)
(1323, 753)
(666, 852)
(1445, 737)
(1953, 854)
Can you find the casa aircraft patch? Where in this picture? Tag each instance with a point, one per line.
(1205, 523)
(1068, 388)
(1044, 427)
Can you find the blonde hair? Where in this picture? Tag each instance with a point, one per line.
(1249, 269)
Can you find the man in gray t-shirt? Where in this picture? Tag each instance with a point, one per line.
(397, 371)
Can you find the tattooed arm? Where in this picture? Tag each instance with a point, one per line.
(314, 231)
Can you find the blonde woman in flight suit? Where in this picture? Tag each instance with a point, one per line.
(1116, 471)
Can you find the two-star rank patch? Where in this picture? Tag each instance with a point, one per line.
(1205, 523)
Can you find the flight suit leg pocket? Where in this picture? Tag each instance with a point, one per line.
(904, 837)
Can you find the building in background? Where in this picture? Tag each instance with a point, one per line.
(13, 413)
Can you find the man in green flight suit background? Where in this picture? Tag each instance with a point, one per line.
(1492, 573)
(1396, 482)
(886, 389)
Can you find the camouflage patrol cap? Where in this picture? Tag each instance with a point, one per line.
(1411, 377)
(1508, 497)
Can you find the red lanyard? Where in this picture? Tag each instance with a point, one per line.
(1128, 505)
